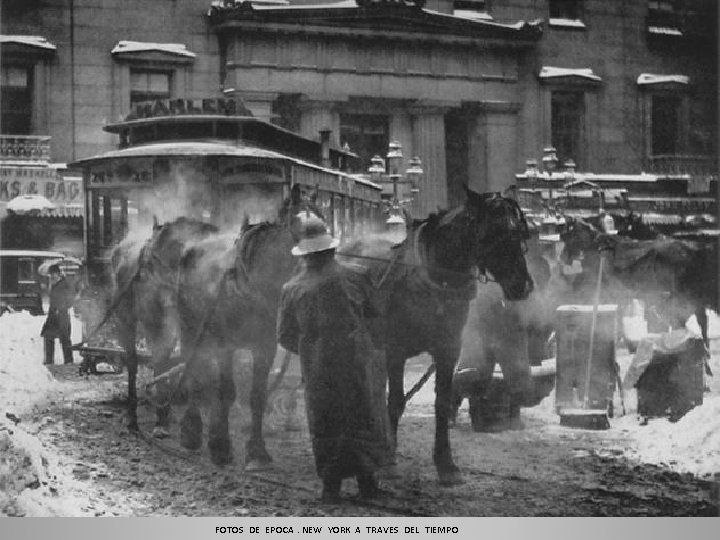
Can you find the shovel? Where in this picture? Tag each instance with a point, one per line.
(585, 417)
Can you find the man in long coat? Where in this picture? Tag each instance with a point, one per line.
(324, 318)
(57, 324)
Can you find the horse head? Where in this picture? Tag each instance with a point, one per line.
(500, 234)
(163, 251)
(581, 237)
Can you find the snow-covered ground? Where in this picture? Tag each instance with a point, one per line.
(30, 477)
(31, 480)
(691, 444)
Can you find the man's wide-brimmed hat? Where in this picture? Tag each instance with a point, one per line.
(314, 236)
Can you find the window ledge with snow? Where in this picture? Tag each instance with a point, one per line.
(573, 24)
(472, 14)
(650, 78)
(664, 31)
(548, 72)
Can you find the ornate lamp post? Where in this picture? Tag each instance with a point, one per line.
(388, 175)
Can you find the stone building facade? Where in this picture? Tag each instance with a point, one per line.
(472, 87)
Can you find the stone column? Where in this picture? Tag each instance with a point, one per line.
(429, 146)
(493, 147)
(259, 103)
(317, 115)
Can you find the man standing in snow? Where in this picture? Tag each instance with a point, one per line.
(324, 318)
(57, 324)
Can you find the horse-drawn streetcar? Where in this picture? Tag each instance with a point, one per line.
(210, 161)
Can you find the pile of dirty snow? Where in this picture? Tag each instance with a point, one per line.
(690, 445)
(24, 380)
(32, 482)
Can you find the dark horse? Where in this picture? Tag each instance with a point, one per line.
(145, 277)
(676, 277)
(230, 291)
(426, 289)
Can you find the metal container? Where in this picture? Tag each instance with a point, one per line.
(573, 324)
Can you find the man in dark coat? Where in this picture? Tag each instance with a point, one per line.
(324, 318)
(57, 324)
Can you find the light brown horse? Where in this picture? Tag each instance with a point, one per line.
(145, 299)
(230, 293)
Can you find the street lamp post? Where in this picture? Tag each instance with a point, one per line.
(387, 174)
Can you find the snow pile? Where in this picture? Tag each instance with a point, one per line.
(31, 480)
(24, 380)
(690, 445)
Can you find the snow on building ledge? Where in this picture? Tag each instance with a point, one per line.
(473, 15)
(664, 31)
(549, 72)
(177, 49)
(650, 78)
(566, 23)
(31, 41)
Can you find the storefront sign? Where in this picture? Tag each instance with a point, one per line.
(43, 181)
(122, 174)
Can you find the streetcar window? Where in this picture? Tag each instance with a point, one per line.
(109, 221)
(359, 226)
(324, 202)
(337, 216)
(349, 224)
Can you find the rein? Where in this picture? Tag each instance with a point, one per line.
(394, 261)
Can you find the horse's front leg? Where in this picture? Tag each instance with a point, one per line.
(448, 472)
(396, 395)
(223, 397)
(126, 335)
(163, 344)
(257, 456)
(197, 379)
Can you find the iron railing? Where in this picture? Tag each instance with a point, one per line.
(692, 165)
(29, 148)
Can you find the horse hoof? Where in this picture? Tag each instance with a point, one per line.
(453, 478)
(190, 441)
(390, 472)
(160, 432)
(221, 459)
(257, 465)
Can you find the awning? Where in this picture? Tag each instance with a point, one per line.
(549, 72)
(38, 42)
(127, 47)
(25, 204)
(650, 78)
